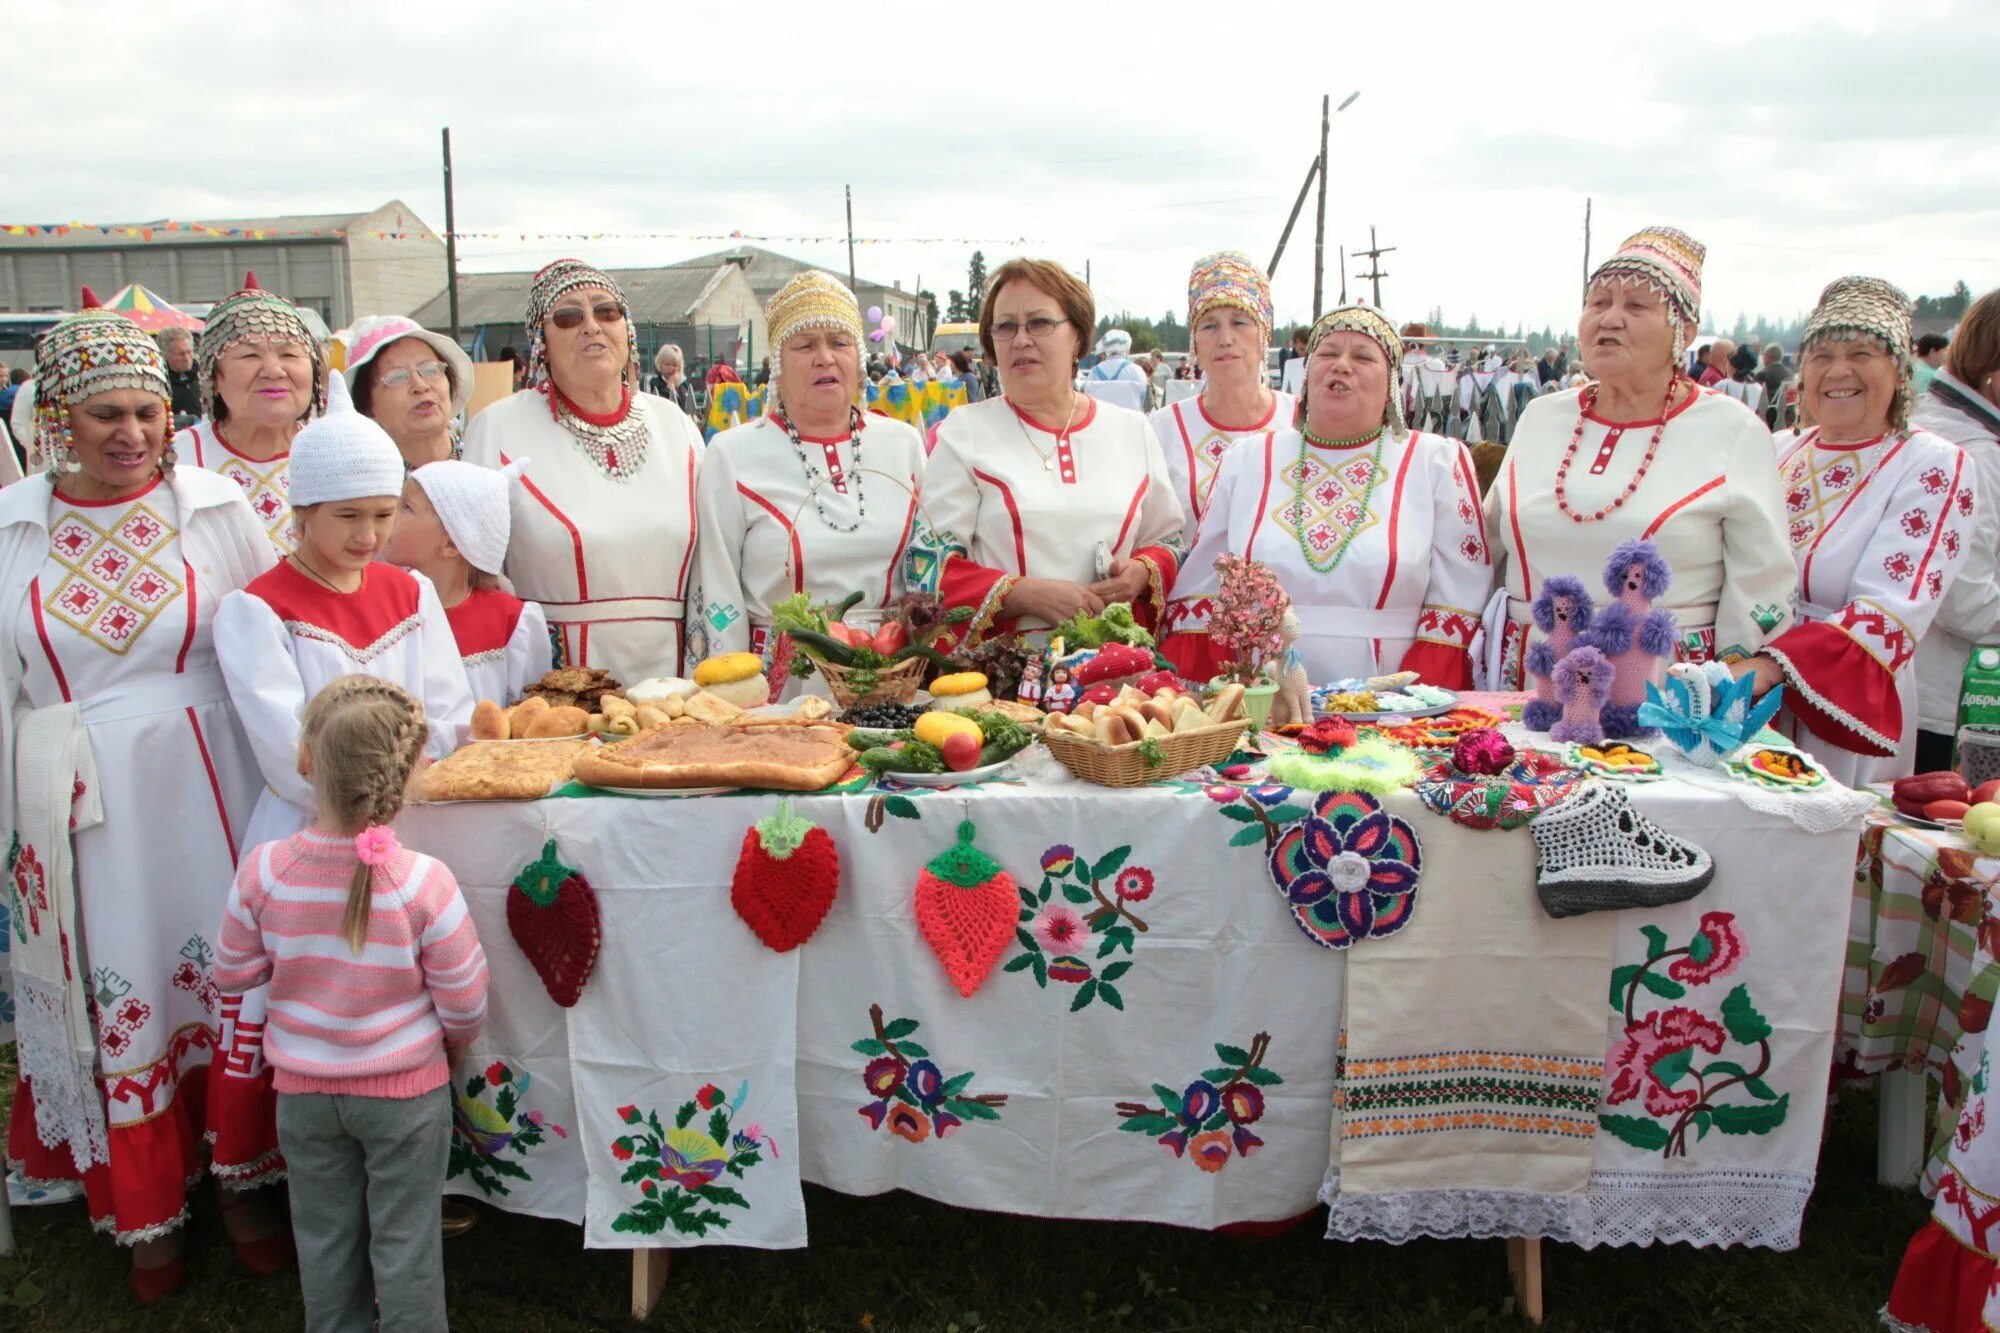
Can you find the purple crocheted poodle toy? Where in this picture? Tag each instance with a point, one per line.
(1561, 612)
(1583, 683)
(1635, 635)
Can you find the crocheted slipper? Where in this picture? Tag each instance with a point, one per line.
(1598, 854)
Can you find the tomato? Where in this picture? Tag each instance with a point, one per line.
(891, 638)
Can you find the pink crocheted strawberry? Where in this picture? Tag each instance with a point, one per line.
(552, 915)
(785, 878)
(967, 907)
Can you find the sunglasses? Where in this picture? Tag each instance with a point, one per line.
(571, 316)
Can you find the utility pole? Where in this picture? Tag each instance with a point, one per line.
(1375, 253)
(851, 283)
(1586, 245)
(1312, 173)
(1319, 223)
(450, 237)
(1343, 275)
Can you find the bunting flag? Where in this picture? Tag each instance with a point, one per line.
(154, 230)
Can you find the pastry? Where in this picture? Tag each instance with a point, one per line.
(708, 707)
(735, 677)
(659, 689)
(552, 722)
(785, 758)
(489, 772)
(961, 692)
(489, 722)
(523, 714)
(649, 716)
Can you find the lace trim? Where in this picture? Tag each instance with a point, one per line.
(109, 1226)
(68, 1110)
(1824, 704)
(1699, 1208)
(982, 621)
(264, 1169)
(395, 635)
(481, 659)
(1895, 1325)
(1828, 810)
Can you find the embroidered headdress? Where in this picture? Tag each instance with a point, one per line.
(1668, 261)
(91, 352)
(549, 285)
(1229, 278)
(1867, 308)
(812, 300)
(1366, 320)
(254, 315)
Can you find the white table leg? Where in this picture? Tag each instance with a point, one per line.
(1902, 1129)
(649, 1279)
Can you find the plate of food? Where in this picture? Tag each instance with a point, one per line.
(772, 753)
(984, 773)
(668, 791)
(1373, 701)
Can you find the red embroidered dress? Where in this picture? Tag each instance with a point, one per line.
(503, 642)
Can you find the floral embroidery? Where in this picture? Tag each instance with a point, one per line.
(678, 1170)
(1210, 1117)
(113, 590)
(1058, 941)
(1349, 870)
(192, 975)
(483, 1130)
(1264, 810)
(911, 1094)
(28, 886)
(1652, 1064)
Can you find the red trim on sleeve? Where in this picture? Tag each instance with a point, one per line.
(1132, 512)
(694, 530)
(1439, 664)
(1679, 505)
(1837, 689)
(1013, 513)
(187, 639)
(1263, 499)
(791, 533)
(1462, 464)
(1520, 547)
(1187, 447)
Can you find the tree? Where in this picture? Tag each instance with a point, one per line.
(975, 284)
(954, 309)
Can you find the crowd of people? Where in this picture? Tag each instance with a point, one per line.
(248, 632)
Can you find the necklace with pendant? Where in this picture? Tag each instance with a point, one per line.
(1062, 436)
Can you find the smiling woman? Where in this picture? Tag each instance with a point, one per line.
(1641, 452)
(414, 382)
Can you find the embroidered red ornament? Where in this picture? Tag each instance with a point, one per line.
(785, 878)
(552, 915)
(966, 907)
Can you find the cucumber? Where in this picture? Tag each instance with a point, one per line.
(824, 645)
(1006, 748)
(840, 612)
(876, 740)
(915, 757)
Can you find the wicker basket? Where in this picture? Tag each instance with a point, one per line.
(1124, 765)
(893, 684)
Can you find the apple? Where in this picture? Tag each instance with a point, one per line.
(960, 751)
(1987, 792)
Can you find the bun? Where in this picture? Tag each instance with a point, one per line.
(1155, 711)
(750, 692)
(568, 721)
(1227, 703)
(523, 714)
(489, 722)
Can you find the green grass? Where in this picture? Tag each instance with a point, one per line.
(900, 1263)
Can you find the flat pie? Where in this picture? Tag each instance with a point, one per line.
(782, 758)
(501, 771)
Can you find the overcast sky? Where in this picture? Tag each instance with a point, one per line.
(1798, 142)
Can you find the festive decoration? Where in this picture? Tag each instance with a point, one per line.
(1616, 760)
(1211, 1117)
(1867, 308)
(86, 354)
(1562, 611)
(786, 877)
(1652, 1064)
(552, 915)
(1328, 735)
(1636, 635)
(1484, 751)
(1375, 766)
(1664, 259)
(1294, 700)
(678, 1170)
(1595, 853)
(1506, 798)
(1705, 712)
(1435, 733)
(1777, 766)
(1348, 870)
(484, 1131)
(965, 906)
(1071, 938)
(1583, 686)
(1247, 621)
(151, 231)
(261, 318)
(911, 1095)
(149, 310)
(1230, 279)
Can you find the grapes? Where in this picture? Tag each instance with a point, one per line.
(883, 716)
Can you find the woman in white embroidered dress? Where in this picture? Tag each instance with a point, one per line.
(112, 566)
(262, 374)
(604, 518)
(1042, 502)
(1642, 452)
(1373, 529)
(816, 495)
(1229, 323)
(1880, 517)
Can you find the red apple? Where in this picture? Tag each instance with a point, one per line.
(961, 751)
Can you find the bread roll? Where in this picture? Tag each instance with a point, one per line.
(1227, 704)
(1155, 711)
(1188, 714)
(1155, 728)
(675, 706)
(558, 722)
(625, 724)
(1085, 710)
(649, 716)
(523, 714)
(489, 722)
(614, 707)
(599, 723)
(1134, 720)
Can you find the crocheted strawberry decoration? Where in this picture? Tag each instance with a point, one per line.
(785, 878)
(552, 915)
(966, 906)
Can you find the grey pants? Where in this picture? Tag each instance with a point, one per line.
(367, 1184)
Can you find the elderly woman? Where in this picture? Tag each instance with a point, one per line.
(1041, 502)
(263, 376)
(1229, 318)
(1641, 452)
(814, 496)
(604, 520)
(416, 384)
(670, 378)
(1880, 520)
(1373, 528)
(126, 791)
(1962, 404)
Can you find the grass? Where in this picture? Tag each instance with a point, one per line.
(900, 1263)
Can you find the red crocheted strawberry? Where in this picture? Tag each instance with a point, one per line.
(552, 915)
(785, 878)
(967, 907)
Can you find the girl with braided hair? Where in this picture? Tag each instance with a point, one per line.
(376, 985)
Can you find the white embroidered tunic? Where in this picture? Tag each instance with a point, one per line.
(267, 484)
(1194, 443)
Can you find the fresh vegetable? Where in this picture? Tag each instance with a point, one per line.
(959, 682)
(1986, 793)
(822, 646)
(1116, 625)
(796, 613)
(876, 740)
(727, 667)
(1004, 737)
(892, 638)
(1910, 795)
(847, 604)
(915, 757)
(1982, 825)
(934, 728)
(882, 717)
(961, 751)
(1943, 810)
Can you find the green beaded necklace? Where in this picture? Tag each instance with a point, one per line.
(1308, 440)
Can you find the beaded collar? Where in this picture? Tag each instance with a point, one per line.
(614, 441)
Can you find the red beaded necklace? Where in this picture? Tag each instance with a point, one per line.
(611, 418)
(1585, 403)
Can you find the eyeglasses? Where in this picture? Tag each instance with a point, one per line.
(1038, 328)
(396, 379)
(571, 316)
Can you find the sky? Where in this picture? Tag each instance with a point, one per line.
(1799, 143)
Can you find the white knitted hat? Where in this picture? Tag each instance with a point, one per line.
(471, 502)
(342, 455)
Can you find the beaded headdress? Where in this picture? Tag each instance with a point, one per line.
(811, 300)
(254, 315)
(1367, 320)
(88, 353)
(1229, 278)
(1664, 259)
(1855, 307)
(550, 285)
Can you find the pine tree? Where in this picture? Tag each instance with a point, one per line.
(954, 308)
(975, 284)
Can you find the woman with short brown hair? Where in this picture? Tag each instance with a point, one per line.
(1043, 502)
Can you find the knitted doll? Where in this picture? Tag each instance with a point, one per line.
(1561, 612)
(1632, 632)
(1294, 701)
(1583, 684)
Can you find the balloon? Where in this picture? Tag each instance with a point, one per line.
(876, 336)
(888, 323)
(874, 313)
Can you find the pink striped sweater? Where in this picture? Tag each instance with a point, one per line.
(369, 1025)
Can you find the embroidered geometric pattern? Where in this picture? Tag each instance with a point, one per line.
(1329, 506)
(365, 653)
(113, 589)
(1447, 624)
(1887, 639)
(1512, 1092)
(269, 492)
(1810, 491)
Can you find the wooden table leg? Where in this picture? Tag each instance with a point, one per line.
(1902, 1129)
(649, 1279)
(1524, 1266)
